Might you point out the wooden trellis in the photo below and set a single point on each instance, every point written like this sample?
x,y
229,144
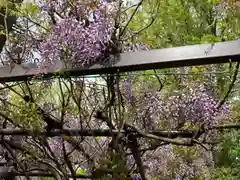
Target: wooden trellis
x,y
202,54
133,61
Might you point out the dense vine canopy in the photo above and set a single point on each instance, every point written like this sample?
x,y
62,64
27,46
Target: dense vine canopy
x,y
156,124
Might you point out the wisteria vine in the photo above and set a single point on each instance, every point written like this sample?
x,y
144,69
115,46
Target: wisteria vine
x,y
85,34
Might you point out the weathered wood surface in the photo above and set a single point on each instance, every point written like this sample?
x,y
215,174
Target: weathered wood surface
x,y
141,60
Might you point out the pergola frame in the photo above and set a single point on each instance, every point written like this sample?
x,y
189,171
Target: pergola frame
x,y
133,61
202,54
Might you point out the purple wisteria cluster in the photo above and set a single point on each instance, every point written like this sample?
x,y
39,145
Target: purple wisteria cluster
x,y
83,34
168,163
79,41
194,106
149,110
161,158
56,145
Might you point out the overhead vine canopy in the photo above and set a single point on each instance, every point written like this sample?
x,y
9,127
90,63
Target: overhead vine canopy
x,y
154,124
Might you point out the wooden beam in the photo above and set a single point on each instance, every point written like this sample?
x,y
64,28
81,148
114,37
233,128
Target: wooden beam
x,y
42,174
142,60
92,132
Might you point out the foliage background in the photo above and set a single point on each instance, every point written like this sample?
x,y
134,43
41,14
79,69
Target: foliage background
x,y
147,97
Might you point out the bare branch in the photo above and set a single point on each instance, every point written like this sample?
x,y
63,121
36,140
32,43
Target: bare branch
x,y
45,174
230,87
130,19
107,132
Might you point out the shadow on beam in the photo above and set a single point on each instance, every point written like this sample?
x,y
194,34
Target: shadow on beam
x,y
142,60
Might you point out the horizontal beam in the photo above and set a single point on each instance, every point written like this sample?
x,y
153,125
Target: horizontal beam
x,y
91,132
107,132
42,174
142,60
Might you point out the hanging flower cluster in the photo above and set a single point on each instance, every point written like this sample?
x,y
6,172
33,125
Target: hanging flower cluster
x,y
83,34
195,106
80,40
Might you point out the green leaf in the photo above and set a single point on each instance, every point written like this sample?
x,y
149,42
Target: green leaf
x,y
4,3
80,172
186,125
195,69
66,138
47,178
29,8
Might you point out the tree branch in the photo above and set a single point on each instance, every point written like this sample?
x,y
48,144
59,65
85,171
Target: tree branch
x,y
45,174
230,87
91,132
133,14
171,134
